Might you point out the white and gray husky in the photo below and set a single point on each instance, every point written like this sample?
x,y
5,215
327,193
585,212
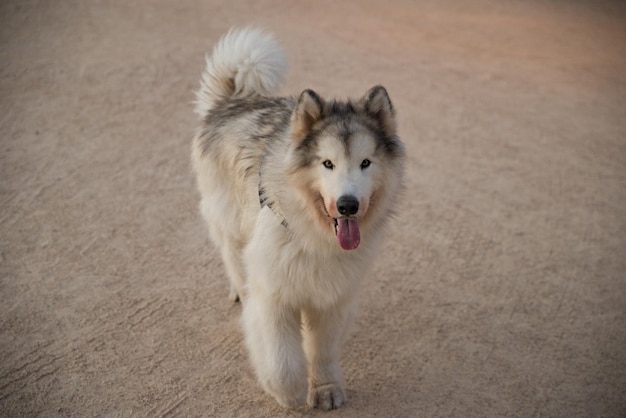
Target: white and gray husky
x,y
296,192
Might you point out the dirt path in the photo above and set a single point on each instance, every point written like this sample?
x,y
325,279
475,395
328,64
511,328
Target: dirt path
x,y
502,287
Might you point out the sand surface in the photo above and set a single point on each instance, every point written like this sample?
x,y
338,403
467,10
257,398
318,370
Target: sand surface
x,y
501,290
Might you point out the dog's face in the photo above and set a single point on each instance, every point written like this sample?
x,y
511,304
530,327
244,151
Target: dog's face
x,y
343,154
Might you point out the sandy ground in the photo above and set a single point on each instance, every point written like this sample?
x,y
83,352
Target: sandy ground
x,y
501,290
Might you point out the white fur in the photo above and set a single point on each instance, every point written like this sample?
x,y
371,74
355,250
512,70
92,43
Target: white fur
x,y
300,301
299,289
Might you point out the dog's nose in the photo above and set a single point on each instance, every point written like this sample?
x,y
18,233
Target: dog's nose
x,y
347,205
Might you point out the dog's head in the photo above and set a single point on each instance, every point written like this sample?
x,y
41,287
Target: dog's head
x,y
348,160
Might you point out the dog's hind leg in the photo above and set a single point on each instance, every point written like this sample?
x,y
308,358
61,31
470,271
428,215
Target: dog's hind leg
x,y
231,256
230,248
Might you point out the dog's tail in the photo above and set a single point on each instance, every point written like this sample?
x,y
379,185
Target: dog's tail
x,y
245,62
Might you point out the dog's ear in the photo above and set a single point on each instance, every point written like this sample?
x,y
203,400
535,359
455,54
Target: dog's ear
x,y
310,109
377,104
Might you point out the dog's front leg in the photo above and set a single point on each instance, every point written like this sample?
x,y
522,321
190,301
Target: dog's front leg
x,y
274,342
323,334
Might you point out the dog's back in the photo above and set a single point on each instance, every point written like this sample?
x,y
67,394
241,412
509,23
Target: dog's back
x,y
245,66
237,121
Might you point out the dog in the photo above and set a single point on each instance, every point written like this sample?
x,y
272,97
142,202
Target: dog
x,y
296,192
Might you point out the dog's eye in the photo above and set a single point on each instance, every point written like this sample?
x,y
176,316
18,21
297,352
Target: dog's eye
x,y
328,164
366,163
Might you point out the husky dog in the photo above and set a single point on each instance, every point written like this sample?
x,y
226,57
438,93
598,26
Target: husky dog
x,y
296,192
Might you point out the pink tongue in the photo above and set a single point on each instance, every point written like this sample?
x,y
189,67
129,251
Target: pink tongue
x,y
348,233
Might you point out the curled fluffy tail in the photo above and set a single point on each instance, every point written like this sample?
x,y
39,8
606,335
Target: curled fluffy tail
x,y
245,62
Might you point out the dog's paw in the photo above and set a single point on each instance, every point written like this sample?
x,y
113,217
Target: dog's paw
x,y
326,397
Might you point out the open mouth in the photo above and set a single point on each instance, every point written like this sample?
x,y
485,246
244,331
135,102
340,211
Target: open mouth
x,y
347,232
346,227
